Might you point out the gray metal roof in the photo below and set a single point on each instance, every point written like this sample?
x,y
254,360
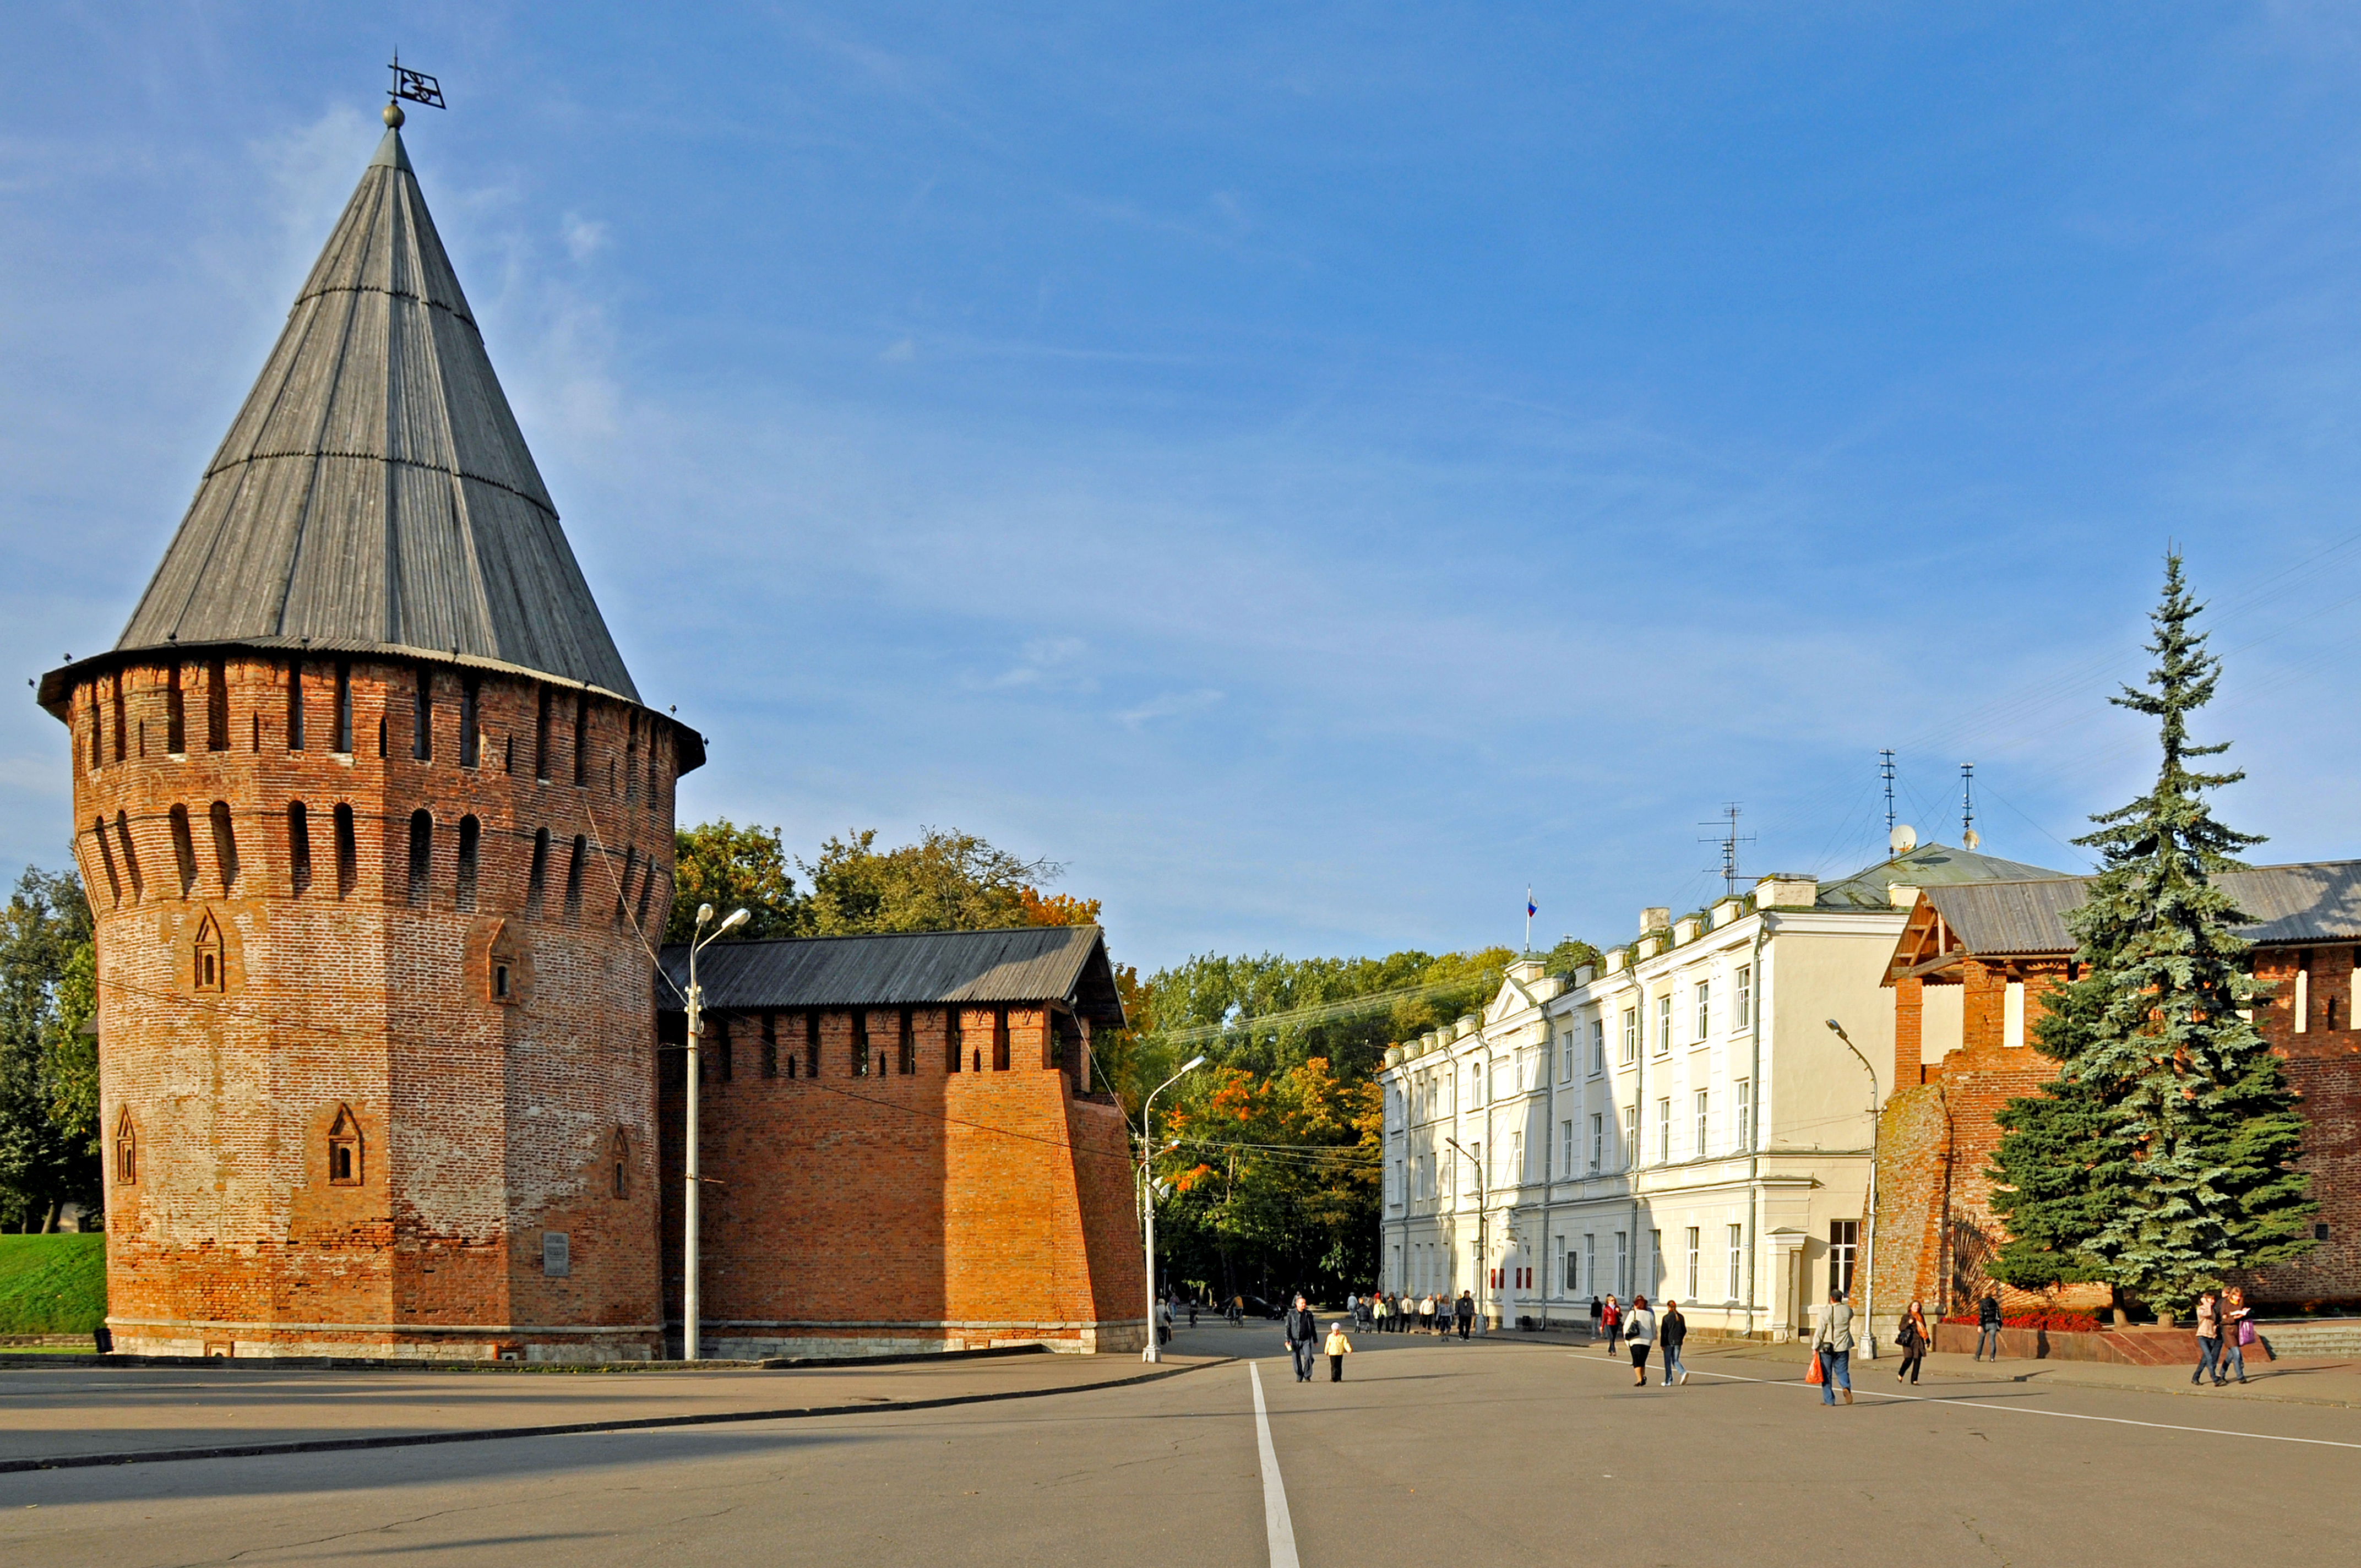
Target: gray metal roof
x,y
1928,865
2315,902
374,492
1031,964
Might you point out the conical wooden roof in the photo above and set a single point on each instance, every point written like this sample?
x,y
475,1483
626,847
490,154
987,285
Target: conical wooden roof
x,y
375,493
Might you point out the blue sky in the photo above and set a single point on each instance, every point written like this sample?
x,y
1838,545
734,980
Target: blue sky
x,y
1312,471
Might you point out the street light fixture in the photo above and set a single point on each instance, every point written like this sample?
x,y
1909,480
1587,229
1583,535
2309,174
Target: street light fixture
x,y
1869,1253
697,942
1148,1197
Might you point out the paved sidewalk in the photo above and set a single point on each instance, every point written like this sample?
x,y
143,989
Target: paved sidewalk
x,y
70,1412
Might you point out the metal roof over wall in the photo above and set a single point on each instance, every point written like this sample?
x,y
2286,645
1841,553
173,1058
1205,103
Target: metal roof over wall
x,y
374,492
1928,865
918,968
2314,901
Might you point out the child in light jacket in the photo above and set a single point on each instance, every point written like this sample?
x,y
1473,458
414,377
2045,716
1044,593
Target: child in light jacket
x,y
1338,1348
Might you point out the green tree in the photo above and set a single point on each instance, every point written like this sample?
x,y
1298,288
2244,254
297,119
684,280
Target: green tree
x,y
2163,1157
948,881
730,867
45,946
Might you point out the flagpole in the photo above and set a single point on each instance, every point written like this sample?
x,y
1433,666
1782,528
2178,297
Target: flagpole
x,y
1529,917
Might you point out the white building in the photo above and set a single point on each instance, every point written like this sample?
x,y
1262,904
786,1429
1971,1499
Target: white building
x,y
1679,1122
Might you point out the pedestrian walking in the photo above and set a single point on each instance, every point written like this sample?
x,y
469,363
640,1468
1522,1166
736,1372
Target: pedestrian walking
x,y
1611,1318
1426,1313
1832,1343
1338,1348
1192,1312
1988,1325
1302,1337
1466,1313
1640,1334
2208,1339
1671,1330
1914,1339
1595,1308
1237,1311
2237,1333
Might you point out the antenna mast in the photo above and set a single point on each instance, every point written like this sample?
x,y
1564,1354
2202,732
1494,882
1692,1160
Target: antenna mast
x,y
1729,840
1886,771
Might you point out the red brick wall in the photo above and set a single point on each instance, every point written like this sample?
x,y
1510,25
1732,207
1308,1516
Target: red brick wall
x,y
898,1212
483,1123
1934,1200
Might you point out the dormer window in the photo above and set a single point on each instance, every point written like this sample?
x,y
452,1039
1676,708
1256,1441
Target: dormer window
x,y
344,1168
207,972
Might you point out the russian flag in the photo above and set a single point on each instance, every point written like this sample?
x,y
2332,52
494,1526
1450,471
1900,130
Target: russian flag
x,y
1531,909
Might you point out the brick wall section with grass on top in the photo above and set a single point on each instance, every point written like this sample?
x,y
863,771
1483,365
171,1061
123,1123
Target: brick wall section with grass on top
x,y
476,1124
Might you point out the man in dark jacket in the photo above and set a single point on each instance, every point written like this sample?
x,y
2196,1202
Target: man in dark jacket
x,y
1671,1330
1302,1337
1466,1313
1988,1325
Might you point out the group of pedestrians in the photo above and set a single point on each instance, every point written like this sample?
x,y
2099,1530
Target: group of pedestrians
x,y
1302,1326
2226,1327
1388,1313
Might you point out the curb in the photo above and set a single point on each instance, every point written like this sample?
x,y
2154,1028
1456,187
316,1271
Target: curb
x,y
389,1364
640,1423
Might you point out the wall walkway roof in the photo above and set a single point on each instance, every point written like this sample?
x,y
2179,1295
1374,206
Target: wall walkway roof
x,y
919,968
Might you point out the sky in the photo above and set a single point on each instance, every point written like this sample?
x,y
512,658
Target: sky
x,y
1310,471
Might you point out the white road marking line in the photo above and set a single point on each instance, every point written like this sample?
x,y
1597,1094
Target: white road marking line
x,y
1275,1521
2024,1409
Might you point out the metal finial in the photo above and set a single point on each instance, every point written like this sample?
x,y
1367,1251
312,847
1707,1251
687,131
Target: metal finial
x,y
394,115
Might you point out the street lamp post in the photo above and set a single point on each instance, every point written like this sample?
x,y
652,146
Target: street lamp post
x,y
1869,1252
1483,1215
695,1000
1148,1197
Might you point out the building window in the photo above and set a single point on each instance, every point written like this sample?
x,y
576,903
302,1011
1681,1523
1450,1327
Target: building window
x,y
541,737
859,1042
422,854
126,1150
342,742
1566,1067
98,732
1737,1260
1692,1286
1663,1023
770,1045
1630,1136
1516,1157
216,705
471,834
581,739
184,849
471,741
502,974
208,968
294,704
1631,1036
1566,1147
1623,1264
574,877
811,1045
623,892
1703,1098
536,885
106,856
631,757
1741,1112
176,727
345,1150
1704,996
1000,1039
299,847
1597,1141
953,1047
225,845
1742,1002
618,1158
348,851
382,754
1598,1045
1656,1260
121,740
130,854
422,719
1844,1241
907,1064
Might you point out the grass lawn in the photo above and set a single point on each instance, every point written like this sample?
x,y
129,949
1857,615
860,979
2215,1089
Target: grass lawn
x,y
52,1285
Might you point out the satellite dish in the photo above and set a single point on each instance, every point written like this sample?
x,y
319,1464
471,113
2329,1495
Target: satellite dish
x,y
1903,839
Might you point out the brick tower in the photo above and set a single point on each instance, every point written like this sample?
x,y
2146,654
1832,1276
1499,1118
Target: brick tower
x,y
373,821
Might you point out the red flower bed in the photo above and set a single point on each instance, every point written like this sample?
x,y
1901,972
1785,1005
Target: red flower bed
x,y
2055,1322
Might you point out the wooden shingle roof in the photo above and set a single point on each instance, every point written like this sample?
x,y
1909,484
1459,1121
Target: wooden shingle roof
x,y
374,494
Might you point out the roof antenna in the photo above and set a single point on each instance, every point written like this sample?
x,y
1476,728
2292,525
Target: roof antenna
x,y
1886,771
1729,840
1968,839
414,86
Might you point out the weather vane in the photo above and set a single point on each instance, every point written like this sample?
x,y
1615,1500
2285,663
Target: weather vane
x,y
414,86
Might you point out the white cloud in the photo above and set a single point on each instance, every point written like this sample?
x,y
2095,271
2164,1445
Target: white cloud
x,y
1168,705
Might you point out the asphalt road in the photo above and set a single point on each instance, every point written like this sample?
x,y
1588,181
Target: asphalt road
x,y
1505,1451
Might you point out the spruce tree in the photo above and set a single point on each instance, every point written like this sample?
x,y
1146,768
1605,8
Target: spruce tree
x,y
2163,1157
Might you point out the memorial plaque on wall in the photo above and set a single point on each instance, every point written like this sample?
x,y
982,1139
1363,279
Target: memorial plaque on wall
x,y
555,1261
